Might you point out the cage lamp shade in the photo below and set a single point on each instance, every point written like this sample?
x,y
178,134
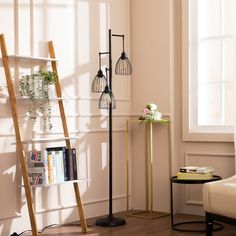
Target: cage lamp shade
x,y
123,65
107,99
99,82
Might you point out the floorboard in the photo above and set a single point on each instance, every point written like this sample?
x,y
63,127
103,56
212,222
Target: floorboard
x,y
137,227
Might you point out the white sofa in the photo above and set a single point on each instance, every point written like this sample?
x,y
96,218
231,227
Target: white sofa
x,y
219,201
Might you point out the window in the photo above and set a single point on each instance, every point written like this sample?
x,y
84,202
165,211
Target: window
x,y
209,33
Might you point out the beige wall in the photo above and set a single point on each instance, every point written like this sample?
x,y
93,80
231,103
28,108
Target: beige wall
x,y
150,37
156,53
79,29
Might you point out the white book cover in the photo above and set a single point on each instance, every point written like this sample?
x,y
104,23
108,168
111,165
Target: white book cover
x,y
197,169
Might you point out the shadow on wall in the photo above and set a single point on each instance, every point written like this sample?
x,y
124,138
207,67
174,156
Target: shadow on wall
x,y
82,33
9,182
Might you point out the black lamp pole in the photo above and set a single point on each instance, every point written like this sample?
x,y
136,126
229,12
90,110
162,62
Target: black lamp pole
x,y
107,101
110,129
110,220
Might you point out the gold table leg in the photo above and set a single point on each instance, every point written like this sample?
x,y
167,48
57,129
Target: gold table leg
x,y
149,212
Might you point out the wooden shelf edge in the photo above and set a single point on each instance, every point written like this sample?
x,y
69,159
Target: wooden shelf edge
x,y
44,140
55,184
162,121
21,57
26,98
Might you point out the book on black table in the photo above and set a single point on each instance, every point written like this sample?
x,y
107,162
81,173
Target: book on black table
x,y
196,169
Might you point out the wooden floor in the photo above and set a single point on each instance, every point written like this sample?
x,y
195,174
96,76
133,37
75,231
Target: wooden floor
x,y
137,227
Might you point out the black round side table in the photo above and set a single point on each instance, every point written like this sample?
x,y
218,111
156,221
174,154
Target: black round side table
x,y
174,226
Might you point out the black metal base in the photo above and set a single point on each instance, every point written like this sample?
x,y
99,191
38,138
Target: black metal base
x,y
216,226
110,221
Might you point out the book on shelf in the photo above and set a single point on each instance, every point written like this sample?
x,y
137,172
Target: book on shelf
x,y
57,157
194,176
64,160
36,162
71,163
54,165
37,176
197,169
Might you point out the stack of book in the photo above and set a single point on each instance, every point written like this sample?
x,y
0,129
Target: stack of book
x,y
195,172
54,165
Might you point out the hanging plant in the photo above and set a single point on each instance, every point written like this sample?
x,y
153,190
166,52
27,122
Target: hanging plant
x,y
35,87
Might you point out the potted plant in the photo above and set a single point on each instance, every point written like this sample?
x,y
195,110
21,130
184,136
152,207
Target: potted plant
x,y
35,87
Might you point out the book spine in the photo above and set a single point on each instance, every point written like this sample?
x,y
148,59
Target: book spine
x,y
65,165
69,164
50,169
75,176
45,162
59,166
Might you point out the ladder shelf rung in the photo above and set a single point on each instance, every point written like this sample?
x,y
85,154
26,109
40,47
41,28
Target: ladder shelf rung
x,y
54,184
45,140
31,58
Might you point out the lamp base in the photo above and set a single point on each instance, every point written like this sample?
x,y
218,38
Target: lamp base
x,y
110,221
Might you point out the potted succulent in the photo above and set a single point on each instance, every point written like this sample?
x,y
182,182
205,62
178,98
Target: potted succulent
x,y
35,87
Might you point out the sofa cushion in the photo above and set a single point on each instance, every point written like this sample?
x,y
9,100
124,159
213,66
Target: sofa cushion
x,y
219,197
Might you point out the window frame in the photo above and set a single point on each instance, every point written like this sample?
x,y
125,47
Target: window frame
x,y
187,134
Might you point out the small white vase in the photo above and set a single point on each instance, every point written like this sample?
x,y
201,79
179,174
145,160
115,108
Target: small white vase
x,y
52,91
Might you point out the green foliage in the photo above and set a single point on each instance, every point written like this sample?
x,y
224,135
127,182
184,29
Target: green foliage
x,y
35,87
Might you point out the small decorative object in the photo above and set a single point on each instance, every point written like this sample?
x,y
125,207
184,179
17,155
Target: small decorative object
x,y
150,113
35,87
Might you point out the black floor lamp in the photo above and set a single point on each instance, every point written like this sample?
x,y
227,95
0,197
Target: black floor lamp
x,y
107,101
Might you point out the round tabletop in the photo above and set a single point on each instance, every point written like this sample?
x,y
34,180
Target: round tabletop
x,y
174,179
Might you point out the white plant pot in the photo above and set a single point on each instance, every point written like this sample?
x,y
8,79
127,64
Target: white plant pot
x,y
52,91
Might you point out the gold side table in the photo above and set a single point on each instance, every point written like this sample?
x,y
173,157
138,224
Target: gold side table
x,y
148,212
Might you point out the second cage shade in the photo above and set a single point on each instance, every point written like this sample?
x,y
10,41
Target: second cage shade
x,y
99,82
107,99
123,65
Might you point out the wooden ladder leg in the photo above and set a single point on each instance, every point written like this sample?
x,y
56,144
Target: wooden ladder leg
x,y
80,208
31,211
66,134
19,145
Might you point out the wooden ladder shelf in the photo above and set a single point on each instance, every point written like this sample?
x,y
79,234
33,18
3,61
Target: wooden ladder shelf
x,y
19,144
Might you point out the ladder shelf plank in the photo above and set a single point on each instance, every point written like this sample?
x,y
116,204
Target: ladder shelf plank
x,y
45,140
31,58
54,184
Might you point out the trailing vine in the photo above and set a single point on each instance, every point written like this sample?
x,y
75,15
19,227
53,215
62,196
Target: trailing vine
x,y
35,87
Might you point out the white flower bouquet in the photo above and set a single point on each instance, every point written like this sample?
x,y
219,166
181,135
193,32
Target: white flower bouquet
x,y
150,113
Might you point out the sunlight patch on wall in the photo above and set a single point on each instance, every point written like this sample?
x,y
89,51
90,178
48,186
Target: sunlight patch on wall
x,y
104,122
104,155
84,85
103,26
7,25
24,26
11,171
83,33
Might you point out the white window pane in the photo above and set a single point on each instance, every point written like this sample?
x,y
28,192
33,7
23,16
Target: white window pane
x,y
209,61
228,60
229,16
209,20
212,64
209,105
227,103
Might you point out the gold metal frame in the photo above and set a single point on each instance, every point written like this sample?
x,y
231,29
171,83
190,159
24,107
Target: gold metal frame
x,y
149,212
